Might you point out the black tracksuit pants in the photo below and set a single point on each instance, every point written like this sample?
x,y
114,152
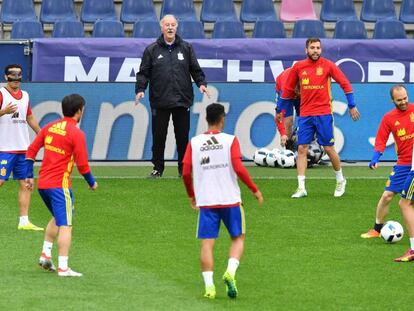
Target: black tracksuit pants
x,y
160,120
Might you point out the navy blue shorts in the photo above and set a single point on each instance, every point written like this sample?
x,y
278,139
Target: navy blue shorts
x,y
396,180
59,201
13,162
209,220
321,125
288,108
408,190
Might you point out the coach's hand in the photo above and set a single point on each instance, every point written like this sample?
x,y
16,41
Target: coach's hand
x,y
354,113
204,90
138,97
259,196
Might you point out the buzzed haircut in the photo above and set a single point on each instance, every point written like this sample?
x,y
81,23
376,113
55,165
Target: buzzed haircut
x,y
214,113
312,40
71,104
8,67
396,87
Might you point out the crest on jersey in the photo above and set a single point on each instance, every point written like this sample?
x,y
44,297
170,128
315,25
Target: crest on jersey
x,y
412,116
319,71
3,172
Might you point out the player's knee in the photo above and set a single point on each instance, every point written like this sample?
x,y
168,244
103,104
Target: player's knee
x,y
387,196
2,182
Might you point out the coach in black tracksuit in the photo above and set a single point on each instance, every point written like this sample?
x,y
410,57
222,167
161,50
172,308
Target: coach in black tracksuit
x,y
168,65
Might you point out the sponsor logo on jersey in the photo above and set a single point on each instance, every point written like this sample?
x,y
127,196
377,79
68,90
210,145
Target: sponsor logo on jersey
x,y
55,149
205,160
211,144
15,115
305,81
48,139
58,128
401,132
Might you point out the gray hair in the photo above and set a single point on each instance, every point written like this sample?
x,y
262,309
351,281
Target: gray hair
x,y
165,16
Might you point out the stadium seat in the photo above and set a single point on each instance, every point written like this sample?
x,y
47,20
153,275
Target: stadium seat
x,y
133,11
52,11
191,30
350,29
334,10
213,10
146,29
389,29
253,10
293,10
15,10
228,30
108,29
373,10
308,28
181,9
93,10
407,11
27,29
68,29
269,29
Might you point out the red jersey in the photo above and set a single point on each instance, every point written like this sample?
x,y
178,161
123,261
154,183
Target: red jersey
x,y
64,144
401,125
314,78
281,80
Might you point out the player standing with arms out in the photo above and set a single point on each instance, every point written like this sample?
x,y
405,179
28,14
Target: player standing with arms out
x,y
64,145
214,160
285,112
15,115
400,123
314,75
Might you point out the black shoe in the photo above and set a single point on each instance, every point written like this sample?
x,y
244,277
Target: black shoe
x,y
155,174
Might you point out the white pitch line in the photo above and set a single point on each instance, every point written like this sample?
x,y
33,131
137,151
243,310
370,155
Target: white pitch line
x,y
257,177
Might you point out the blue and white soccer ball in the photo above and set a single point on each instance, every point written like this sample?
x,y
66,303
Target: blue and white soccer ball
x,y
259,156
272,157
287,159
392,231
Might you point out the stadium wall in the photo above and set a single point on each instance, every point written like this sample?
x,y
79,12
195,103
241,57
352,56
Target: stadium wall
x,y
117,129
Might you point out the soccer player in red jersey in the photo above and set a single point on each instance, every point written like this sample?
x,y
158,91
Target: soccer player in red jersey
x,y
15,115
400,123
213,161
64,145
314,75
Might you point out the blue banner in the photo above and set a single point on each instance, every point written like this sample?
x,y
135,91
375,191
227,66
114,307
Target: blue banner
x,y
15,52
230,60
117,129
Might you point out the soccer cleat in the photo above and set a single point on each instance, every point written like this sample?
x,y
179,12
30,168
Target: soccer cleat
x,y
231,287
300,193
29,226
210,292
46,263
68,272
155,174
371,234
408,256
340,188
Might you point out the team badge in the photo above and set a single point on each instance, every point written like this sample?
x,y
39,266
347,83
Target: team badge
x,y
412,116
319,71
180,56
3,171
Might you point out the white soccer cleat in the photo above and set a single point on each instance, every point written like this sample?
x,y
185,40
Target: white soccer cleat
x,y
300,193
68,272
340,188
46,263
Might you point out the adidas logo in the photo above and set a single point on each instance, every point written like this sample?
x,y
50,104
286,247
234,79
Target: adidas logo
x,y
211,144
58,128
160,56
204,160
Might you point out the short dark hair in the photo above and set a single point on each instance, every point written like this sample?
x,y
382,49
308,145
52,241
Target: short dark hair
x,y
396,87
8,67
312,40
214,112
71,104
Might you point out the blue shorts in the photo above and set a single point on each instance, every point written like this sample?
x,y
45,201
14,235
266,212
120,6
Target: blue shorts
x,y
408,190
288,108
209,222
13,162
396,180
59,201
321,125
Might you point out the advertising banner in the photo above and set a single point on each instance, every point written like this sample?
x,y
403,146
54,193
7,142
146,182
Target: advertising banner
x,y
230,60
117,129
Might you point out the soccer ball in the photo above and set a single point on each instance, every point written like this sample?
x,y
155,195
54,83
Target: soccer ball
x,y
259,156
392,231
315,153
272,157
287,159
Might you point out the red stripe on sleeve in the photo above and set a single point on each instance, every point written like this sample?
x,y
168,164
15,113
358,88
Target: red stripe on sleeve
x,y
187,171
238,166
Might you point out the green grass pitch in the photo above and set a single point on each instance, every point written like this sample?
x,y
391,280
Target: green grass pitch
x,y
134,240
